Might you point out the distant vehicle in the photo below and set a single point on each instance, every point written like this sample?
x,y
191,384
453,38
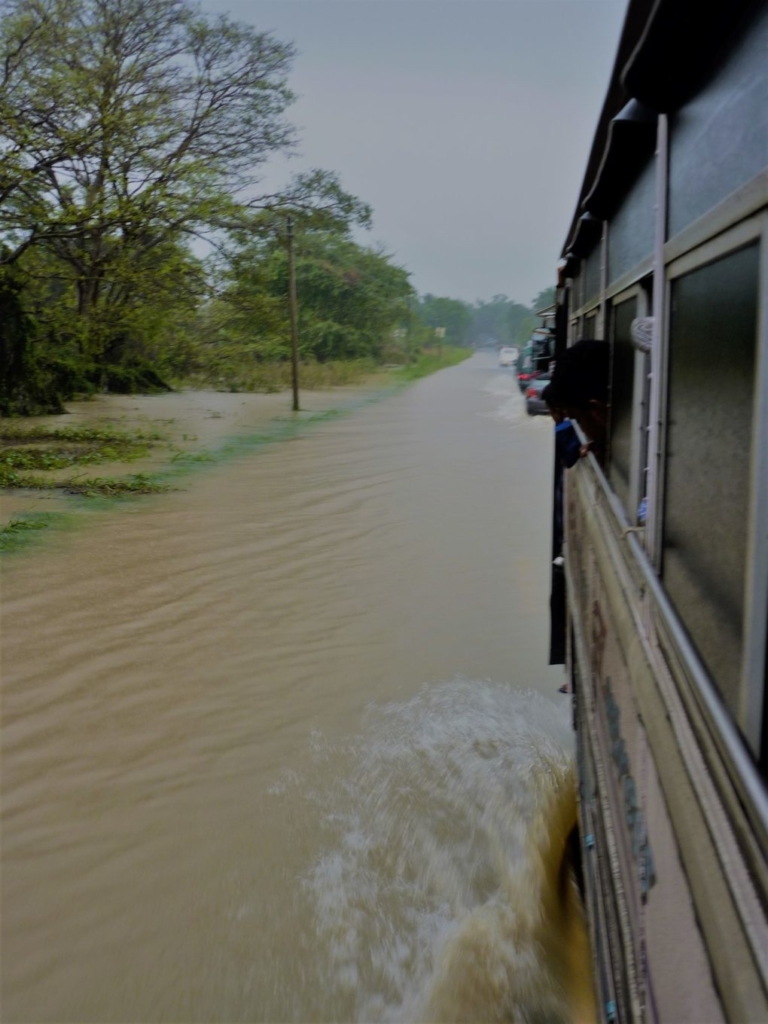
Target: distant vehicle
x,y
537,357
534,403
508,356
524,368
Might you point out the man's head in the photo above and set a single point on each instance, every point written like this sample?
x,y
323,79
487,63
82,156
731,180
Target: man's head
x,y
581,379
554,401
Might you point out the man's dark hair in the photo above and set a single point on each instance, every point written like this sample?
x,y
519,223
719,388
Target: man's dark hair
x,y
581,374
553,396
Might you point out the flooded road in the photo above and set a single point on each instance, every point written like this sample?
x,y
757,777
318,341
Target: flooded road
x,y
280,746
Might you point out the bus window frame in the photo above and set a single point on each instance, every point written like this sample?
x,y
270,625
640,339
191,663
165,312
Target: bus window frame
x,y
590,329
749,717
638,460
691,693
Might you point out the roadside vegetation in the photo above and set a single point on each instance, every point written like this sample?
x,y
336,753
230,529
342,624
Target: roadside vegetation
x,y
497,321
30,457
429,362
41,457
134,139
24,530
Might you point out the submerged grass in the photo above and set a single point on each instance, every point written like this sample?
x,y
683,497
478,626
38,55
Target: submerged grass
x,y
116,487
27,452
136,483
15,430
25,529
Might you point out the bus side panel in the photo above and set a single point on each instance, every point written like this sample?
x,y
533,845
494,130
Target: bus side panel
x,y
651,960
682,980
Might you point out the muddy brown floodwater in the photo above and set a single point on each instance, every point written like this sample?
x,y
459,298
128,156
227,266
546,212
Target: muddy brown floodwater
x,y
284,745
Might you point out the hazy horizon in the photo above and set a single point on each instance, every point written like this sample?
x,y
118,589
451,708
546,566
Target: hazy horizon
x,y
466,124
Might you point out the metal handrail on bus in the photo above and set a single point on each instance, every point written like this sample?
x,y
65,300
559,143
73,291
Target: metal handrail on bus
x,y
741,767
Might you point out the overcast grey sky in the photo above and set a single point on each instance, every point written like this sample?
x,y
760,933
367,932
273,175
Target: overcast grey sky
x,y
466,124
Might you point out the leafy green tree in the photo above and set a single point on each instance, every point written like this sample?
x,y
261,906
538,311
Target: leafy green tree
x,y
350,297
38,113
144,291
129,127
545,298
15,339
525,327
453,315
497,319
529,322
162,118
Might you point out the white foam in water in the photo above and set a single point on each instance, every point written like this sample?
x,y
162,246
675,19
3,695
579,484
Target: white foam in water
x,y
503,384
423,899
512,410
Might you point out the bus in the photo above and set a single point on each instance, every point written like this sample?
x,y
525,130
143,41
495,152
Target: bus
x,y
537,356
666,538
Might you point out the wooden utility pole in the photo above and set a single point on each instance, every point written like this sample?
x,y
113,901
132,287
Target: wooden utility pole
x,y
294,317
409,335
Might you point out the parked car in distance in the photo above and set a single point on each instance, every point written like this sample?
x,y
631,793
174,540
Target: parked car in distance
x,y
508,356
534,404
524,370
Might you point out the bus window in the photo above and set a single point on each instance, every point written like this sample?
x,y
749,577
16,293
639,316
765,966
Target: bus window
x,y
712,354
622,396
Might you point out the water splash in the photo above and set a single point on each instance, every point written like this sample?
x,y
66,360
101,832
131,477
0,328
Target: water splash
x,y
512,409
503,384
441,895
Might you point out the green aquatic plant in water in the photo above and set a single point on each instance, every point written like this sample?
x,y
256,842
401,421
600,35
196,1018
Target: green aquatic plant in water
x,y
24,451
106,487
14,431
114,487
193,457
23,529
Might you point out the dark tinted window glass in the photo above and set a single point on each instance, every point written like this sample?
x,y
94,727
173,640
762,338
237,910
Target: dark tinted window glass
x,y
578,288
711,393
622,390
630,235
592,273
718,140
590,326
